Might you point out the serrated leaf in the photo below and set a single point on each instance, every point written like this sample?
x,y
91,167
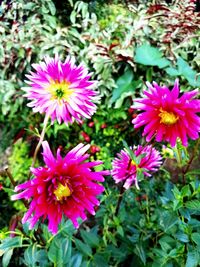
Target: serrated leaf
x,y
185,191
164,245
182,237
76,260
100,261
196,238
167,220
30,255
60,251
193,204
90,238
141,253
192,259
83,247
120,230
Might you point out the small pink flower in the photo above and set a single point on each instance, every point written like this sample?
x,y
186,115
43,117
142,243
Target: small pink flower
x,y
62,90
168,116
125,169
66,186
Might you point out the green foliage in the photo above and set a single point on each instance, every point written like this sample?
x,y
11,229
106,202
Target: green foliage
x,y
125,87
150,56
155,226
185,71
19,161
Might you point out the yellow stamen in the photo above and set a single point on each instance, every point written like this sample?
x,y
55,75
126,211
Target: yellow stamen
x,y
62,191
133,163
168,118
60,90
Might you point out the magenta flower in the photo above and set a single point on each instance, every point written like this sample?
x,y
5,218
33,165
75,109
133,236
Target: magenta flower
x,y
168,116
66,186
62,90
125,169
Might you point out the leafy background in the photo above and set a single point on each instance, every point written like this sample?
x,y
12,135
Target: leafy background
x,y
124,44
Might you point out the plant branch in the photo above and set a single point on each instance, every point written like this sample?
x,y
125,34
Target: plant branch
x,y
9,175
122,189
40,141
6,172
184,171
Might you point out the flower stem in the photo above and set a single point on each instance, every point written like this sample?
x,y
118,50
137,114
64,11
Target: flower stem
x,y
178,156
40,141
9,175
122,189
185,170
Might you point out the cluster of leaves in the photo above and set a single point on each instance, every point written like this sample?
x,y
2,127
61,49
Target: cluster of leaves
x,y
150,230
157,226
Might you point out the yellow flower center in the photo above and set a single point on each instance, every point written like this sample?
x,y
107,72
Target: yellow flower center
x,y
60,90
168,118
62,191
133,163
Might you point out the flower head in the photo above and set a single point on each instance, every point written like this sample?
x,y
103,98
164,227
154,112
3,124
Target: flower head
x,y
66,186
168,116
62,90
125,169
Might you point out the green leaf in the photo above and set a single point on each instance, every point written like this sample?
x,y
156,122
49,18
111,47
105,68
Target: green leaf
x,y
182,237
11,242
193,172
192,259
129,151
7,257
141,253
193,204
164,245
167,242
76,260
167,220
150,56
60,251
90,238
124,84
173,72
185,191
52,7
120,230
83,247
30,255
196,238
99,261
188,72
176,193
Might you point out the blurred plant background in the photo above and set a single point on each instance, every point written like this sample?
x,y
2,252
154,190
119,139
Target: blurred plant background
x,y
124,44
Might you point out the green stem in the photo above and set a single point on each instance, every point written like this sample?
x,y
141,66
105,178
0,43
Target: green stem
x,y
122,189
9,175
147,208
184,171
40,141
178,156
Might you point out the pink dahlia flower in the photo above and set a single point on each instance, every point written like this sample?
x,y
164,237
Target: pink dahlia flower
x,y
66,186
62,90
125,169
167,115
